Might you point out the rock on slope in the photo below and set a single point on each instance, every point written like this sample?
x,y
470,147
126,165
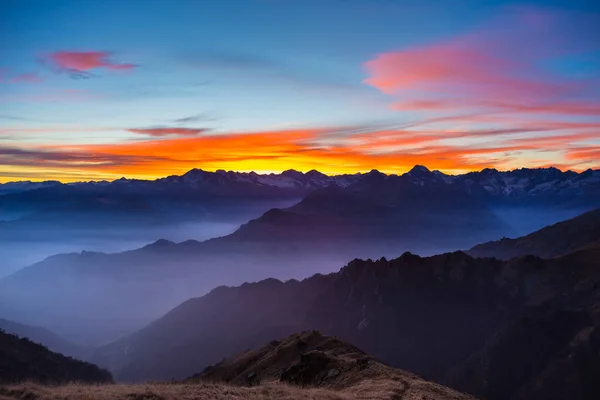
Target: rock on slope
x,y
310,359
23,360
564,237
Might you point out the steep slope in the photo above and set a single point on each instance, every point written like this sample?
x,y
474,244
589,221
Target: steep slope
x,y
45,337
552,351
310,359
368,303
23,360
564,237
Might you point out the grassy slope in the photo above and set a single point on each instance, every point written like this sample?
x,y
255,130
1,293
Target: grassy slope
x,y
383,390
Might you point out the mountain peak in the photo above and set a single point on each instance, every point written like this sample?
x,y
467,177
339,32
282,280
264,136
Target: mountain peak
x,y
315,173
374,172
292,173
419,169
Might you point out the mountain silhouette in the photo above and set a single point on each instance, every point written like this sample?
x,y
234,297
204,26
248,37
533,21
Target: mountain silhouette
x,y
555,240
45,337
22,360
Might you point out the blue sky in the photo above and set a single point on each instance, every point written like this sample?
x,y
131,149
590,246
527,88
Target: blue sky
x,y
253,66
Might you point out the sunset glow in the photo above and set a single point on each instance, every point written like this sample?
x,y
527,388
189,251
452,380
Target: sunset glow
x,y
513,87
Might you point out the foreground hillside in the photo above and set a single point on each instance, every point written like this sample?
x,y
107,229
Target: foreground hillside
x,y
203,391
23,360
559,239
310,359
305,365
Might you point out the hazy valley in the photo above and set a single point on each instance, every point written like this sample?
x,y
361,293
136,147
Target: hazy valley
x,y
170,309
327,221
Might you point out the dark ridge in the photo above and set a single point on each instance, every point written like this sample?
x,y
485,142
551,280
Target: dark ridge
x,y
22,360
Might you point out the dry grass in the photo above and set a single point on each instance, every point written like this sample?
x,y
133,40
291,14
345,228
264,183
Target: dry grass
x,y
372,390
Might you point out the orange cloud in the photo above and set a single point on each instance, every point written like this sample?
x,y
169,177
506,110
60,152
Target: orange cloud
x,y
590,154
388,150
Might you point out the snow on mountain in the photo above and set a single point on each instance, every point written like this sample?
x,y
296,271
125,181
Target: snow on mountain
x,y
22,186
530,182
506,184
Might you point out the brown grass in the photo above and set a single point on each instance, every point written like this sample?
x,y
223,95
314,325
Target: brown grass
x,y
372,390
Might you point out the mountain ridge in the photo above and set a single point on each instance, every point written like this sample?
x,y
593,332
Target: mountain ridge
x,y
507,179
555,240
23,360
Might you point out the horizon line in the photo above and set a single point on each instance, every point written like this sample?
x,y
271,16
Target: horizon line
x,y
304,172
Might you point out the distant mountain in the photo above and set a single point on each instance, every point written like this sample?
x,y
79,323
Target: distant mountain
x,y
562,238
23,186
22,360
310,359
524,186
45,337
533,185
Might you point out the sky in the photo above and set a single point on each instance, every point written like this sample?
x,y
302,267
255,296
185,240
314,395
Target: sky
x,y
94,90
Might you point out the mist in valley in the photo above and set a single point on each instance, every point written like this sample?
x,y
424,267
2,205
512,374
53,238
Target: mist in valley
x,y
17,253
98,298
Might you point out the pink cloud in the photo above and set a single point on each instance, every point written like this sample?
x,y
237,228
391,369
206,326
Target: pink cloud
x,y
86,61
493,69
26,78
7,77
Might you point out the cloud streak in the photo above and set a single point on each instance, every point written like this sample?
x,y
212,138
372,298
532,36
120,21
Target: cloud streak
x,y
389,150
169,131
492,70
80,64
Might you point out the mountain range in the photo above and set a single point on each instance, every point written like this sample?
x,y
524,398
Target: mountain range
x,y
516,183
508,319
203,193
339,218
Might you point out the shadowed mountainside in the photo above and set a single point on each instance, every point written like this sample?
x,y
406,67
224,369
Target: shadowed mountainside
x,y
23,360
410,312
551,351
562,238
